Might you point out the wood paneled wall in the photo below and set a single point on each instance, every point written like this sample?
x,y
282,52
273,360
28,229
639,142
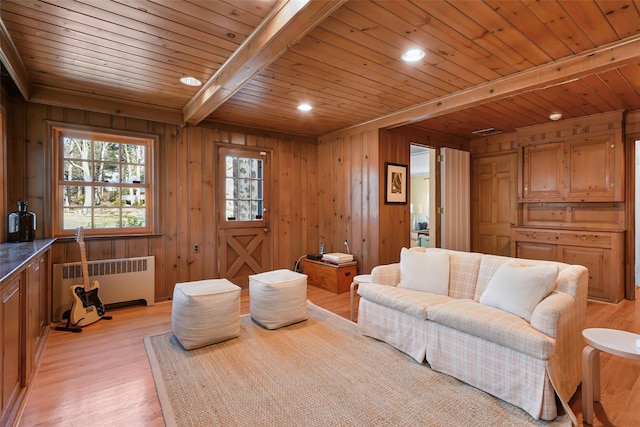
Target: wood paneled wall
x,y
395,147
186,184
349,204
352,168
3,157
632,123
394,219
632,132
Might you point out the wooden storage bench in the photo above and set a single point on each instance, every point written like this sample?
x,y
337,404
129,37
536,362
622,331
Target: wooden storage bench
x,y
332,277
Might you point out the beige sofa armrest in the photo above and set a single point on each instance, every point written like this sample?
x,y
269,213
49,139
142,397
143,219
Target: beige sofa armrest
x,y
562,315
388,274
566,306
546,316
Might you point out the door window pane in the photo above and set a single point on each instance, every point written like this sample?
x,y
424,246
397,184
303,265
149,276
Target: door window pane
x,y
243,188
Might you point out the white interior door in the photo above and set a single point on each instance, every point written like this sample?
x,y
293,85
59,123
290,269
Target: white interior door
x,y
455,221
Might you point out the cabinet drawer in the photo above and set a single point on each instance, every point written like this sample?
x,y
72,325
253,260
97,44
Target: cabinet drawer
x,y
535,236
585,239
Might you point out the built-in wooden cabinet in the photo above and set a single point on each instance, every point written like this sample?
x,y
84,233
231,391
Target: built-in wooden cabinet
x,y
37,310
10,314
24,319
542,172
600,252
571,198
576,170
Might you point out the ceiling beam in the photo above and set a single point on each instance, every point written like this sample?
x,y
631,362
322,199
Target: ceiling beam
x,y
13,62
284,27
104,104
564,70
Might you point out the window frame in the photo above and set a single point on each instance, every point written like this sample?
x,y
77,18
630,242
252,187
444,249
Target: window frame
x,y
57,131
258,153
237,201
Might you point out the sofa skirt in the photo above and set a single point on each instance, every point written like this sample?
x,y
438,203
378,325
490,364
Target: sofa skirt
x,y
401,330
509,375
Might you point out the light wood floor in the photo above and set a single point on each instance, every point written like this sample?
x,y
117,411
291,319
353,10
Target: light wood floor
x,y
102,377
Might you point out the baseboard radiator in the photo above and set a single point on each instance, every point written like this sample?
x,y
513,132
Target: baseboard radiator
x,y
122,281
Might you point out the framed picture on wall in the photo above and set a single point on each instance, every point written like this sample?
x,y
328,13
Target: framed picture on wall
x,y
395,183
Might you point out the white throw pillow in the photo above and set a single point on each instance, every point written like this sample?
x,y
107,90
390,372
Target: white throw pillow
x,y
424,271
518,287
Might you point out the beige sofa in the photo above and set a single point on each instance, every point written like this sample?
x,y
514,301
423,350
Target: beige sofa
x,y
504,325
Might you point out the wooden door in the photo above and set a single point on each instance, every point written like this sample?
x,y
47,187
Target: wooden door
x,y
244,243
494,203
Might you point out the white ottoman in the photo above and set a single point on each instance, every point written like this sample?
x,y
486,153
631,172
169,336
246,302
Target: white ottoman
x,y
278,298
205,312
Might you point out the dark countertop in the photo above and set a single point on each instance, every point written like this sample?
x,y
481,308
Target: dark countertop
x,y
14,256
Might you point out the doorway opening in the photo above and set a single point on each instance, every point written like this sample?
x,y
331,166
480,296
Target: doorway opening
x,y
422,197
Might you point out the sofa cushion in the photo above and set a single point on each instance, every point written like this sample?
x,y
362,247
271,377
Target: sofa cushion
x,y
410,301
518,287
489,264
463,273
424,271
494,325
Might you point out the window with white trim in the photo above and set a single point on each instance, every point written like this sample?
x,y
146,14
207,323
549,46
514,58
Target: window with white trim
x,y
103,182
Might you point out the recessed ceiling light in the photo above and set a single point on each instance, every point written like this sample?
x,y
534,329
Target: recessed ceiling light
x,y
304,107
413,55
555,116
190,81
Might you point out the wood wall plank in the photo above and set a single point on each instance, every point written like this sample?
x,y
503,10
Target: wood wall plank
x,y
208,247
348,169
15,158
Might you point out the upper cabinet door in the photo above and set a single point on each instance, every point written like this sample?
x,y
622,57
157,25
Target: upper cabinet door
x,y
581,170
543,171
594,173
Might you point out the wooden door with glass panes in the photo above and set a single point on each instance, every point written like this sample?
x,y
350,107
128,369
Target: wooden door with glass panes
x,y
244,242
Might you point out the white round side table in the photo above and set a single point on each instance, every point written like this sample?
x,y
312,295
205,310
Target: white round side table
x,y
613,341
361,278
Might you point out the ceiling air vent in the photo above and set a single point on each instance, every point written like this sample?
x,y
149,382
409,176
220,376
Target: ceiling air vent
x,y
487,132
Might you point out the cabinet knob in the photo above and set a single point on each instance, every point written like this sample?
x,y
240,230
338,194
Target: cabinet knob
x,y
584,237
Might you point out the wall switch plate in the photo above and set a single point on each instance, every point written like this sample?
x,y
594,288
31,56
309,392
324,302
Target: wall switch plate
x,y
196,248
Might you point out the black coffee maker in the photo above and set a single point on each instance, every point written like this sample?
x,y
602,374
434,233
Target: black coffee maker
x,y
21,225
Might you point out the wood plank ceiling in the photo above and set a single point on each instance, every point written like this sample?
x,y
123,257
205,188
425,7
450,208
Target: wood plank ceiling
x,y
493,63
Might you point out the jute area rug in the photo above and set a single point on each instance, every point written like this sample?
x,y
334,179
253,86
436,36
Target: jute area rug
x,y
320,372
